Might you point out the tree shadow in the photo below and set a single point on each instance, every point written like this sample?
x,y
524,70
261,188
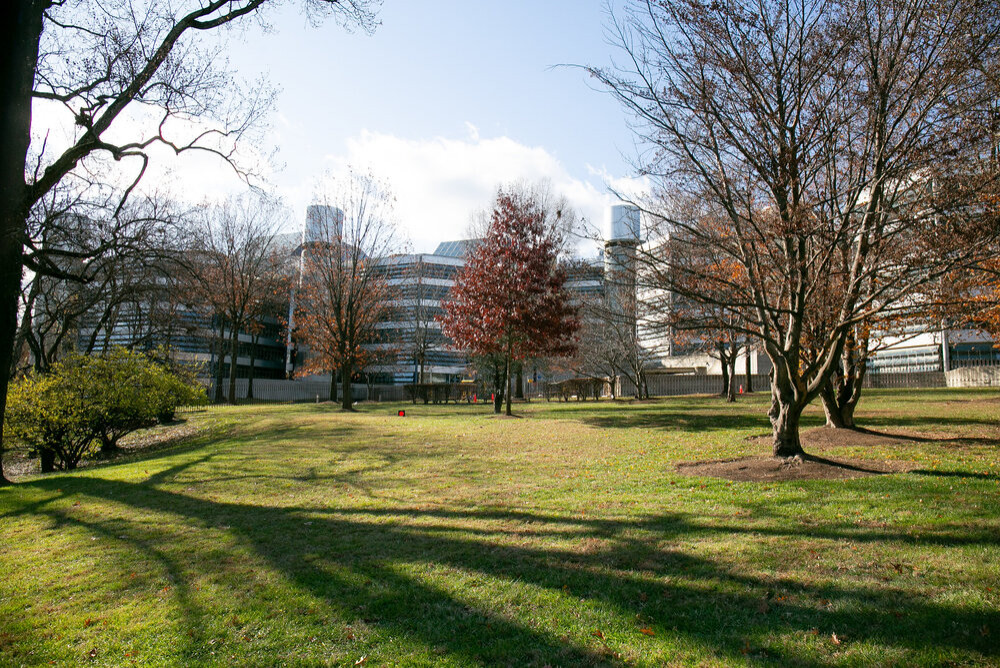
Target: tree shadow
x,y
957,474
846,466
372,563
933,422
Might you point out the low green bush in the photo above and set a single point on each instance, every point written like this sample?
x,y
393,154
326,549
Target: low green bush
x,y
55,423
88,400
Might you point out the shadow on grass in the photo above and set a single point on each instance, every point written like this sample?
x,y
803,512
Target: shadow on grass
x,y
929,422
844,465
690,421
957,474
371,563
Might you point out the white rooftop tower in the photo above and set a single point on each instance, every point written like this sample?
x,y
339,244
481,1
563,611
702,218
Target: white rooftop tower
x,y
323,223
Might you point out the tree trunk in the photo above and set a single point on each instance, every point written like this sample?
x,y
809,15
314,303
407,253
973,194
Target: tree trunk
x,y
345,386
829,397
497,389
721,349
24,329
519,382
840,399
234,351
47,460
506,382
731,389
253,360
109,446
333,388
784,416
220,345
749,374
20,31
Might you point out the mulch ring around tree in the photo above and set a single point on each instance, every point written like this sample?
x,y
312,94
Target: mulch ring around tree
x,y
765,468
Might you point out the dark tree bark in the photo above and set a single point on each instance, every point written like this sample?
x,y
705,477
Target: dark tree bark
x,y
720,349
253,361
20,30
840,398
234,352
749,374
346,399
506,382
498,393
333,388
785,414
47,460
519,382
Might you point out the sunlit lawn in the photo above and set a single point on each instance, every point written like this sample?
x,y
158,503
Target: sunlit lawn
x,y
300,535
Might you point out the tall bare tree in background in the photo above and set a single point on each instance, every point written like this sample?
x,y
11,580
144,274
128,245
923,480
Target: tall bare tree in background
x,y
101,64
344,291
814,128
238,268
93,275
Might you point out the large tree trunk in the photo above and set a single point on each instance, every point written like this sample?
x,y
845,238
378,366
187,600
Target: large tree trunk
x,y
843,392
841,396
20,31
333,387
345,386
784,414
519,382
749,374
834,417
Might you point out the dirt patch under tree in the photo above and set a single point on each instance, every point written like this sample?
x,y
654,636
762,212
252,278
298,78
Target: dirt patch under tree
x,y
809,467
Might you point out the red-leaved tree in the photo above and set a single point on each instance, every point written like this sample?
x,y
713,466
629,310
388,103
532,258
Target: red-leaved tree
x,y
510,299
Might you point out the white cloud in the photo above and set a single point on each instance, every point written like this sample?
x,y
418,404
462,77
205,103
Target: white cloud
x,y
441,183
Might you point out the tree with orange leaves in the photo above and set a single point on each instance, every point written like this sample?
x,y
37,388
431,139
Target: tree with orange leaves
x,y
344,292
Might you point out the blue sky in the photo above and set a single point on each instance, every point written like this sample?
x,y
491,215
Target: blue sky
x,y
444,95
445,101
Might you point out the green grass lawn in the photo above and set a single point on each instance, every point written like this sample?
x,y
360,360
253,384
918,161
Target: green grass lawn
x,y
300,535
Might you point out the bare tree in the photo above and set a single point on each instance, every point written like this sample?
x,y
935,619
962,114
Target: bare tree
x,y
808,129
94,272
239,268
344,293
